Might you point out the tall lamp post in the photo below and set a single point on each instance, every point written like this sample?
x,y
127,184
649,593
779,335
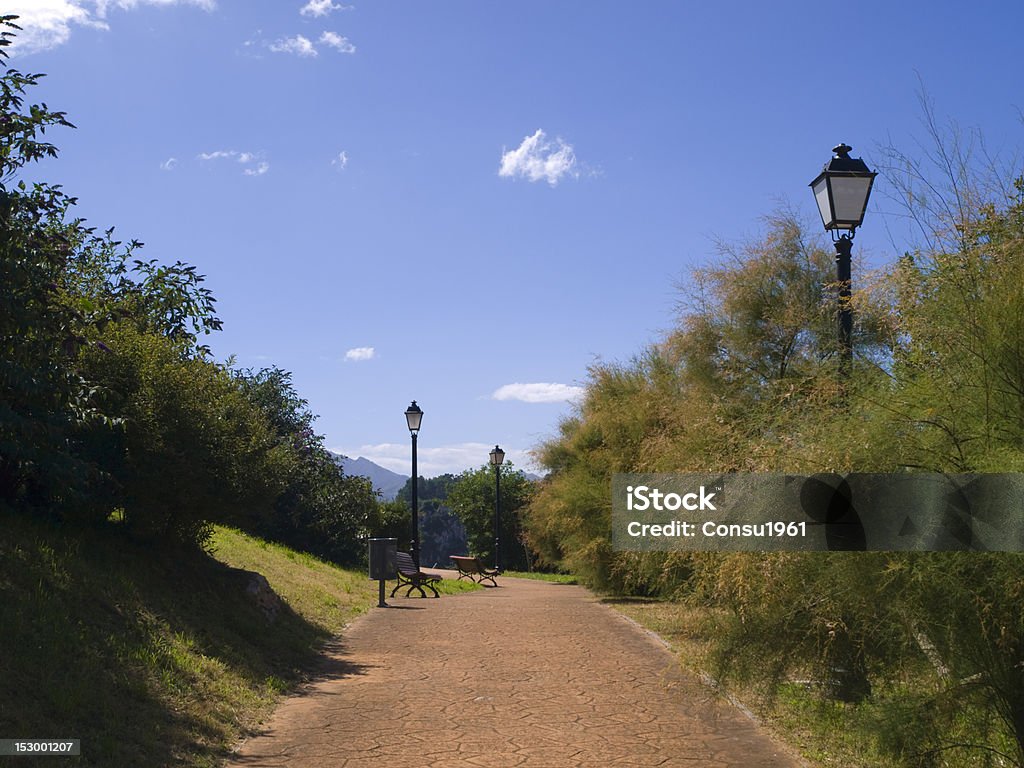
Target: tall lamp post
x,y
497,459
841,191
413,418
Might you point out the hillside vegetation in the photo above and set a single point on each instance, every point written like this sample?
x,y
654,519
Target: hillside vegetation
x,y
151,658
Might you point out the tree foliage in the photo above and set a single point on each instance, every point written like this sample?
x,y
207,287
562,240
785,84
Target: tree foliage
x,y
111,407
472,498
441,532
319,509
747,381
44,403
189,448
62,287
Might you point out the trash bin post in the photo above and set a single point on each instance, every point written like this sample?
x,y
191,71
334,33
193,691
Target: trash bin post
x,y
383,564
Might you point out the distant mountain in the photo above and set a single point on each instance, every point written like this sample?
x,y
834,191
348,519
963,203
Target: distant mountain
x,y
384,480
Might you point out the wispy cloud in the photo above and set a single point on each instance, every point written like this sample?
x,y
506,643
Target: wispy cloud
x,y
539,159
169,164
47,24
359,354
341,161
217,154
127,5
432,462
298,45
262,167
255,164
319,8
540,392
337,42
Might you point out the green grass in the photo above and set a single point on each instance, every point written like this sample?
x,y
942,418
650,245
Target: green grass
x,y
326,596
556,578
152,659
450,587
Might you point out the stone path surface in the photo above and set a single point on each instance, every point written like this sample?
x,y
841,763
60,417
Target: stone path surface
x,y
529,674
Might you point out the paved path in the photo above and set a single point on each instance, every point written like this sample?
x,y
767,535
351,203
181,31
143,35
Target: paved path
x,y
530,674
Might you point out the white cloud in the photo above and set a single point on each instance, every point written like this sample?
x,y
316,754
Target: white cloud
x,y
254,162
341,161
358,354
432,461
47,24
218,154
319,8
129,5
168,164
259,170
336,41
299,45
539,158
541,392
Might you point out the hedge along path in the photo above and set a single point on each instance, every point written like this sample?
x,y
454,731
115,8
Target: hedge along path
x,y
528,674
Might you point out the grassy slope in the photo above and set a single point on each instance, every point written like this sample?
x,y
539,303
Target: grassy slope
x,y
154,660
826,733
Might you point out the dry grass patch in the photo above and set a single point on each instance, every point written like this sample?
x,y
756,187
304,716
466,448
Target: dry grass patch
x,y
825,733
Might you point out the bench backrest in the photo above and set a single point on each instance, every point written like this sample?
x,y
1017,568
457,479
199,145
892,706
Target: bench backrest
x,y
467,564
405,564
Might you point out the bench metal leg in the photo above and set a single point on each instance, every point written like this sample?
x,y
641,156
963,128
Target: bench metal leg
x,y
419,587
408,592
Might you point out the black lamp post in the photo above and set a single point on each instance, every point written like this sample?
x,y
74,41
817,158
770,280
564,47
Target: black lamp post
x,y
414,417
497,459
841,191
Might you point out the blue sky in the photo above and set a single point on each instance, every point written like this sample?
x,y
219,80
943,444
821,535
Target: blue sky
x,y
468,203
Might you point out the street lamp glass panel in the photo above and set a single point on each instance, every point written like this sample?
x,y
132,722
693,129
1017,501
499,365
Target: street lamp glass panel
x,y
849,199
413,417
820,187
497,456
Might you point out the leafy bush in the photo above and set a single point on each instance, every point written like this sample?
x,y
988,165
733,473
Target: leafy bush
x,y
194,449
319,509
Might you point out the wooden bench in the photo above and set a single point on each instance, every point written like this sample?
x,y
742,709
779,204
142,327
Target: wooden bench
x,y
410,576
473,569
